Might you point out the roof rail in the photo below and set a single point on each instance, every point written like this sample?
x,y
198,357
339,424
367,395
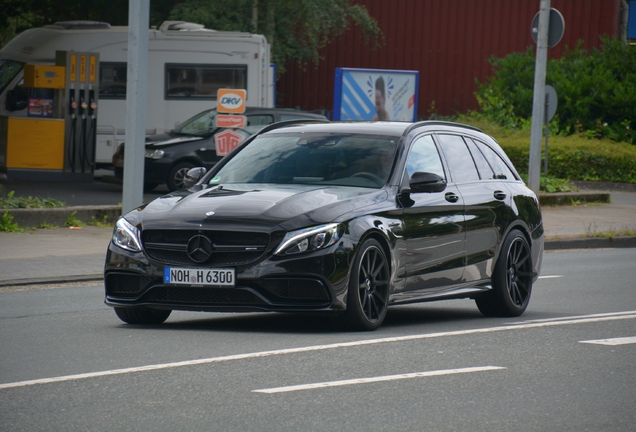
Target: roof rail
x,y
419,124
286,123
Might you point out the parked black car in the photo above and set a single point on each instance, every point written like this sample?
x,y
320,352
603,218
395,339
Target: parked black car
x,y
341,217
170,155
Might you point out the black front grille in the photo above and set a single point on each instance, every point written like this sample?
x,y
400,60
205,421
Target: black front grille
x,y
125,285
296,289
202,296
229,247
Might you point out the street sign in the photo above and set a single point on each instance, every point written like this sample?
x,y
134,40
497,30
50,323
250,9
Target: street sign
x,y
551,102
555,29
230,121
227,141
231,101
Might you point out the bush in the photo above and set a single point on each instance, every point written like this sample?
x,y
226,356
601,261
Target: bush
x,y
597,95
11,201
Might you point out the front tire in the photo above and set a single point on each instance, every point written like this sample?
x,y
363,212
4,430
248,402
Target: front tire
x,y
142,315
177,174
511,280
368,294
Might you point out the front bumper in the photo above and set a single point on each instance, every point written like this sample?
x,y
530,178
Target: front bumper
x,y
312,282
154,172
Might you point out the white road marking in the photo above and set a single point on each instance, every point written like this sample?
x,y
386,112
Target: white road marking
x,y
572,317
376,379
564,321
550,277
613,341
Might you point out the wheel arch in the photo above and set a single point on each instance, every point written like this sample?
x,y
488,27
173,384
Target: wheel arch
x,y
189,158
520,226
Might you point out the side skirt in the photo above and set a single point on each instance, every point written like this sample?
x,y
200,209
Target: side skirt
x,y
447,294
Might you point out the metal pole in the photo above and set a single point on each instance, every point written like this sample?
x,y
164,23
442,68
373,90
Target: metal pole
x,y
547,133
136,92
538,104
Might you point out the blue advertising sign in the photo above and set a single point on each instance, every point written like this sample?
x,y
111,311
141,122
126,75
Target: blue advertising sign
x,y
631,21
375,94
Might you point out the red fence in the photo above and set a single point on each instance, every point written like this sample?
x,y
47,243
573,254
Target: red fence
x,y
448,42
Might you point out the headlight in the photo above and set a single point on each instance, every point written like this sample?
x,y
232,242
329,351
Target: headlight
x,y
154,154
309,239
126,236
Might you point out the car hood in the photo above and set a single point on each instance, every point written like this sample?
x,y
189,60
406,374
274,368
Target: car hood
x,y
261,207
169,139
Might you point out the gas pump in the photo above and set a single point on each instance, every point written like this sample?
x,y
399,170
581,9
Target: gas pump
x,y
56,141
81,96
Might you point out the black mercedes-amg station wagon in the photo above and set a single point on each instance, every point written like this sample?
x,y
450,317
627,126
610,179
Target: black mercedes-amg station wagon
x,y
343,217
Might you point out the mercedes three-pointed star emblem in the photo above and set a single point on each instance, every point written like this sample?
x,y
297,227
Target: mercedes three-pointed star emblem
x,y
199,248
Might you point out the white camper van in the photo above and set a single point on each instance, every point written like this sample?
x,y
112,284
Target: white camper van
x,y
186,65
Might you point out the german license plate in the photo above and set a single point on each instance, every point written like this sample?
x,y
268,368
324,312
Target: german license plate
x,y
195,276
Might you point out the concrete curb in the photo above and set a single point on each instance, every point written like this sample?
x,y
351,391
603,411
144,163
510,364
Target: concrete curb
x,y
58,216
51,280
570,198
591,243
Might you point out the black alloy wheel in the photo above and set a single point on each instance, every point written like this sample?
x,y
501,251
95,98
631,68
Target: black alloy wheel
x,y
177,174
142,315
511,280
368,294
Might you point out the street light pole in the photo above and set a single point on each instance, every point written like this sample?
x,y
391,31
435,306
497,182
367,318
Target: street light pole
x,y
538,103
136,92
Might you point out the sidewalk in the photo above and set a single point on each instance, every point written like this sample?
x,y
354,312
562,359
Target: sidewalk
x,y
64,255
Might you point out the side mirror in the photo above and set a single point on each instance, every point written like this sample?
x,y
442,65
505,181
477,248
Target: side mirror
x,y
426,182
193,176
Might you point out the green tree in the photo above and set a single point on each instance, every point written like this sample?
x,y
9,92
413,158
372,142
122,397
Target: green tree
x,y
296,29
19,15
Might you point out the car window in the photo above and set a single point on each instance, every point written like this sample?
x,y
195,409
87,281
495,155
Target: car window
x,y
259,119
424,157
461,162
200,125
485,171
8,70
357,160
498,165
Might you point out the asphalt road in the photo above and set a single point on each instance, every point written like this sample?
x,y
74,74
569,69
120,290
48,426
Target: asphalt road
x,y
68,364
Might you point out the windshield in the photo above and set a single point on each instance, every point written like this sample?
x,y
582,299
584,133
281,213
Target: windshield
x,y
312,158
8,70
203,124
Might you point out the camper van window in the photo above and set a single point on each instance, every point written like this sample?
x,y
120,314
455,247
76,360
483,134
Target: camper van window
x,y
112,80
202,81
8,70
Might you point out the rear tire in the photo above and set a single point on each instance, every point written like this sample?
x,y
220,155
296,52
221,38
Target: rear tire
x,y
368,294
142,315
177,174
511,279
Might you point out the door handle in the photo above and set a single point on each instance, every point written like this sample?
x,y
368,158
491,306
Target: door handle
x,y
500,195
451,197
